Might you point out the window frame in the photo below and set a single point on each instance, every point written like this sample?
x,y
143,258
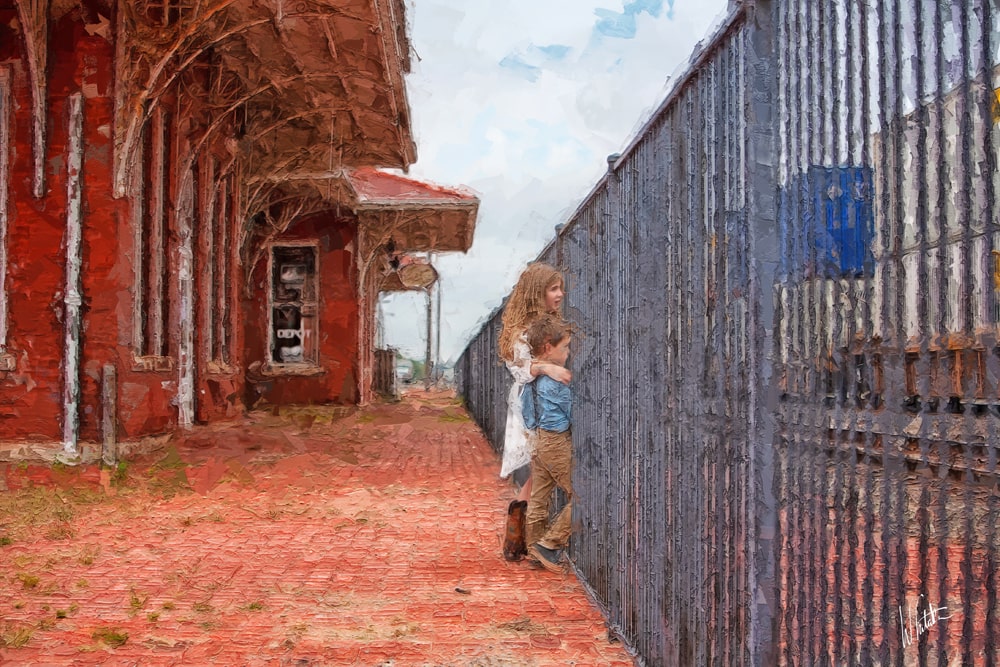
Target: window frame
x,y
152,220
311,364
220,213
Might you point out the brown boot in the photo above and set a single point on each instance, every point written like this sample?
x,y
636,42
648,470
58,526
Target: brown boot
x,y
514,547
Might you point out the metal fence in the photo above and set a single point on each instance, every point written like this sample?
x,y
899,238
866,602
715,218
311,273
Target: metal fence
x,y
886,332
786,416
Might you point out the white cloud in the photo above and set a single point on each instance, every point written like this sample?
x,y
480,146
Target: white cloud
x,y
530,137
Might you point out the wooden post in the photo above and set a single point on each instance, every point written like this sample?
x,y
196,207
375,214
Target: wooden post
x,y
109,417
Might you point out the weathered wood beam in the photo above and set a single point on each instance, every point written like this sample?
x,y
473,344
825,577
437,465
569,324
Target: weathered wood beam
x,y
133,97
394,55
34,16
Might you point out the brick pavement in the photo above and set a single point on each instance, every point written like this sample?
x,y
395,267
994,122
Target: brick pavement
x,y
309,536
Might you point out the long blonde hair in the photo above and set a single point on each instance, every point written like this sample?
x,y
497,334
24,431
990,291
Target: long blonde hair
x,y
526,303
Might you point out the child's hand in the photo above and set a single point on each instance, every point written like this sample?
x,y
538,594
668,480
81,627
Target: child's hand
x,y
558,373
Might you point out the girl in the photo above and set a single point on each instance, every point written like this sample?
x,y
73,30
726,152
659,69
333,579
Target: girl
x,y
539,291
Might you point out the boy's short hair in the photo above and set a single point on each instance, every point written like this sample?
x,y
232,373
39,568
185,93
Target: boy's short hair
x,y
547,330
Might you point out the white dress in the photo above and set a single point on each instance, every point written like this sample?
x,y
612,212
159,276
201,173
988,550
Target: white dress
x,y
517,441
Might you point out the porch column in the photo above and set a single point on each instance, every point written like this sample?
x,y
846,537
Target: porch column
x,y
72,298
185,289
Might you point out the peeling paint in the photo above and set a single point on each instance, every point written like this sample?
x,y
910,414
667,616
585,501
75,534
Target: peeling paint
x,y
72,297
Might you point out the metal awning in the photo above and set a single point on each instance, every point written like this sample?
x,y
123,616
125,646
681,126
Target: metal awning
x,y
412,216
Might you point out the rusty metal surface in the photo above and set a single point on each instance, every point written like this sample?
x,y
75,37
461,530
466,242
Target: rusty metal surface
x,y
786,383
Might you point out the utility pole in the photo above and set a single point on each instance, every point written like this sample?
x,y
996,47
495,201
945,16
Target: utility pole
x,y
437,331
428,361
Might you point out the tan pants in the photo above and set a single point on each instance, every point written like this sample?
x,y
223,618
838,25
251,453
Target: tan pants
x,y
551,467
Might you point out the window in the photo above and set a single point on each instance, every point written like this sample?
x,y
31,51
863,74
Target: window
x,y
218,285
294,305
151,213
168,12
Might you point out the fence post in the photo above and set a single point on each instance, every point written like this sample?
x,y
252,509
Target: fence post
x,y
765,251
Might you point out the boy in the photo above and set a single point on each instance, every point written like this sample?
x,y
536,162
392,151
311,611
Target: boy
x,y
546,406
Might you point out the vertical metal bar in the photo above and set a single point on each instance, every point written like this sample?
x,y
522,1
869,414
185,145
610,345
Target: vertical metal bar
x,y
986,196
892,462
673,159
73,299
210,189
803,442
991,561
926,538
225,224
964,218
882,170
989,162
966,221
990,103
943,172
782,588
715,188
137,192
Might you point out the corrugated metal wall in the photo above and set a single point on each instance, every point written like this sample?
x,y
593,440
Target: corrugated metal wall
x,y
787,380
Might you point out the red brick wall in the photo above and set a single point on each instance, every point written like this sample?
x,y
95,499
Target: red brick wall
x,y
31,396
31,403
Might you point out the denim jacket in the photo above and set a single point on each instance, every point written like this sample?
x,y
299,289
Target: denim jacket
x,y
554,402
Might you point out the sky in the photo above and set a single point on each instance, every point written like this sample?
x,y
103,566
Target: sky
x,y
523,105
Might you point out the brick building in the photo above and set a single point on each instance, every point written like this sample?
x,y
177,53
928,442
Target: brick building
x,y
192,216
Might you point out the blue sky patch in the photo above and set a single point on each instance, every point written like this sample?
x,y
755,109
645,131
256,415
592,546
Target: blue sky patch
x,y
529,63
621,25
555,51
613,24
516,64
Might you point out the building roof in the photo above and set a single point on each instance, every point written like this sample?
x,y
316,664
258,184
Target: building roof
x,y
413,216
374,188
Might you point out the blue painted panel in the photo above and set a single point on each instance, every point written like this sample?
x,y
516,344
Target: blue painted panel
x,y
833,238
